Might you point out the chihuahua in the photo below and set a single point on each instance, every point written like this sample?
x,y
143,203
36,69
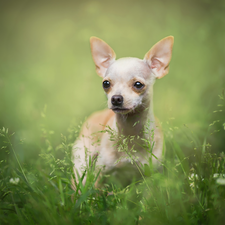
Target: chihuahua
x,y
128,84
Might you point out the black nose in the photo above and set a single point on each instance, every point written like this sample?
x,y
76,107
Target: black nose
x,y
117,100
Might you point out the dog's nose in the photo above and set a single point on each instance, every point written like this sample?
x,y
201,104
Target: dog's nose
x,y
117,100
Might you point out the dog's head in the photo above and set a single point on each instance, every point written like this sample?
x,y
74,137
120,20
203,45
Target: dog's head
x,y
127,81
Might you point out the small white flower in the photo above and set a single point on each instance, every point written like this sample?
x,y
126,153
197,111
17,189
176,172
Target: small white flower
x,y
220,178
61,203
220,181
14,180
192,176
216,175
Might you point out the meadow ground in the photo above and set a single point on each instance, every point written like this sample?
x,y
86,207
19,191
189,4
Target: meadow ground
x,y
48,85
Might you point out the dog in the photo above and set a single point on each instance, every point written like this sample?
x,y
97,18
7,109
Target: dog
x,y
128,84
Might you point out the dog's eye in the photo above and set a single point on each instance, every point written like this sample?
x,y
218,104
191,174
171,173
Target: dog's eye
x,y
138,85
106,84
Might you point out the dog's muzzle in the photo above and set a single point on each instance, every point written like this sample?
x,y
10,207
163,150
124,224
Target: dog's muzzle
x,y
117,100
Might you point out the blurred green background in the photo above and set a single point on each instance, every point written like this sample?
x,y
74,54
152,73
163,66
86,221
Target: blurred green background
x,y
45,60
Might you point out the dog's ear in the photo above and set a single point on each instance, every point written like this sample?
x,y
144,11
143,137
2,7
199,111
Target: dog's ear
x,y
102,54
159,56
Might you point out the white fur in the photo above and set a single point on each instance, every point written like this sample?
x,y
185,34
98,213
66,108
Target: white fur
x,y
137,115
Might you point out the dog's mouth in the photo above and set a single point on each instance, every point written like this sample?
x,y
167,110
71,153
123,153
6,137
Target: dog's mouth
x,y
121,110
131,111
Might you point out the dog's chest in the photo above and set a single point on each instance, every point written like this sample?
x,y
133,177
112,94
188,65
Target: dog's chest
x,y
125,151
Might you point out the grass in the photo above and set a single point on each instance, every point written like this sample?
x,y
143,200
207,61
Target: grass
x,y
46,63
189,190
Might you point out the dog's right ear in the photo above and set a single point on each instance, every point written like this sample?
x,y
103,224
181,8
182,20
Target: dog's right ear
x,y
159,56
102,54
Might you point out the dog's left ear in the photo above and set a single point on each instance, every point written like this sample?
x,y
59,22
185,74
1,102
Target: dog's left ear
x,y
103,55
159,56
